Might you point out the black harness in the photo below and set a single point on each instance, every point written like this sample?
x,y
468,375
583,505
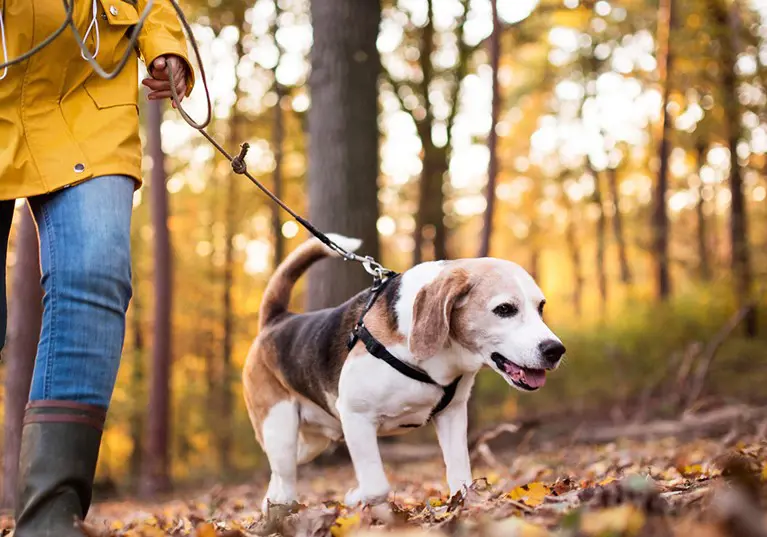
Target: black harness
x,y
374,347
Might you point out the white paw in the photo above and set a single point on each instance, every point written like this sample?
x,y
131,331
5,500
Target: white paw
x,y
358,496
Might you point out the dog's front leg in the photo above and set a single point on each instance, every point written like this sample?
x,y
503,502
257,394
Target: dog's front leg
x,y
360,432
452,430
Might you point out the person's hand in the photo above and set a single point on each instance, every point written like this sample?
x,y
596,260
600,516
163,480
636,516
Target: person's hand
x,y
159,83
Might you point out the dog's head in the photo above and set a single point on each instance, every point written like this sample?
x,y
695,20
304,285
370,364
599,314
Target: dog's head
x,y
494,310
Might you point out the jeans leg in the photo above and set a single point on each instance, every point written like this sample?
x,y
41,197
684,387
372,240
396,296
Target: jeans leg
x,y
86,276
6,218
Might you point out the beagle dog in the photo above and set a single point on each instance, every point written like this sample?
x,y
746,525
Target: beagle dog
x,y
429,331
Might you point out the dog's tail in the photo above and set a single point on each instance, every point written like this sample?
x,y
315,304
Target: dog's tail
x,y
277,293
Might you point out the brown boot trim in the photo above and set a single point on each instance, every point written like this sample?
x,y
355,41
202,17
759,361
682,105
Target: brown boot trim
x,y
64,418
93,410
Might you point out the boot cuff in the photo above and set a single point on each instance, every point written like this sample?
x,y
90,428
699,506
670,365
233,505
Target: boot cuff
x,y
65,412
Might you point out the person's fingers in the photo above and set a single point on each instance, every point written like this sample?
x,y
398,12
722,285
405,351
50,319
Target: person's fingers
x,y
155,84
154,95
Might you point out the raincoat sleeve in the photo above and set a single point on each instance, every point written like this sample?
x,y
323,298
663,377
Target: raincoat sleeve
x,y
162,34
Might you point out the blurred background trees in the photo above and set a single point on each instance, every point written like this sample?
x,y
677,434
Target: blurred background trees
x,y
614,149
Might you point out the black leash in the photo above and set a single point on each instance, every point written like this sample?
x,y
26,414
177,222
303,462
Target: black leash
x,y
375,348
239,167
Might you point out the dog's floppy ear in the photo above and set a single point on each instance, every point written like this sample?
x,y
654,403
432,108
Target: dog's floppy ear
x,y
432,310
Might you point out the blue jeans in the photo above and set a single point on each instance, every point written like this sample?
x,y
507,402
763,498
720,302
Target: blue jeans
x,y
84,235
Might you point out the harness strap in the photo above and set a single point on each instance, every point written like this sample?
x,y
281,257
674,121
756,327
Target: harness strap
x,y
374,347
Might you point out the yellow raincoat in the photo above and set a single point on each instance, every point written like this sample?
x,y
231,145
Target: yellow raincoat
x,y
60,123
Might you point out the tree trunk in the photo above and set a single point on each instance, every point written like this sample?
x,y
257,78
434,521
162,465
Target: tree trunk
x,y
601,233
24,320
704,264
728,21
620,239
138,374
430,218
278,143
431,232
157,461
343,139
660,222
226,408
492,138
575,258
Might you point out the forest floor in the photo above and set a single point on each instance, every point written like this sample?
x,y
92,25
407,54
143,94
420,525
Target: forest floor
x,y
703,474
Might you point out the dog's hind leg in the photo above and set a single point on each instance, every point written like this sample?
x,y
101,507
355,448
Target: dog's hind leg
x,y
279,433
310,445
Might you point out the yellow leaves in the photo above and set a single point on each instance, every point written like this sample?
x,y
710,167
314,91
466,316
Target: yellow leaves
x,y
691,470
493,478
205,530
514,527
344,525
531,494
436,502
625,520
764,472
606,481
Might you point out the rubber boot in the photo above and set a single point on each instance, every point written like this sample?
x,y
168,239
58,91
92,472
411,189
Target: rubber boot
x,y
59,449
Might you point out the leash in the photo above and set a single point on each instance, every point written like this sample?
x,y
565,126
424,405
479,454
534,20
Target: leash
x,y
371,266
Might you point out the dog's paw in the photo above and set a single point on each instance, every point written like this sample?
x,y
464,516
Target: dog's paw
x,y
359,497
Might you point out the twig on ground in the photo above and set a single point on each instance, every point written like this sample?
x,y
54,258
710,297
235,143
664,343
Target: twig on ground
x,y
717,420
701,372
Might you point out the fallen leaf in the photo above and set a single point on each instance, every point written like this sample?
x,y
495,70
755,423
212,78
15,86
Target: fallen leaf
x,y
206,529
514,527
531,494
624,520
344,525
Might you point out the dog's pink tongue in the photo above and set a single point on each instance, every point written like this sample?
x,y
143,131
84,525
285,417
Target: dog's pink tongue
x,y
535,378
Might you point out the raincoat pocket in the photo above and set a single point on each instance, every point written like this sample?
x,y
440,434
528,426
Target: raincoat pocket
x,y
116,20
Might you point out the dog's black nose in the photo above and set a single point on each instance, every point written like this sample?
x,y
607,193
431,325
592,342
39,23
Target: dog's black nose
x,y
551,350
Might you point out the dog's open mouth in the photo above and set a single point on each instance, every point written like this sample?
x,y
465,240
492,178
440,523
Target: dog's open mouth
x,y
523,377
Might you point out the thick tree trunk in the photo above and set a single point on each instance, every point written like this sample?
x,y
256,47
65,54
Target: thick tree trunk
x,y
157,461
343,139
728,20
660,222
620,239
704,264
492,138
431,232
25,310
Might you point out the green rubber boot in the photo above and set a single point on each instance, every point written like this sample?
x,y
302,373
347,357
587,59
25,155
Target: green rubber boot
x,y
59,448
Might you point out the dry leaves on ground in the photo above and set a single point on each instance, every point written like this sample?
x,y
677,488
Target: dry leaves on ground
x,y
632,489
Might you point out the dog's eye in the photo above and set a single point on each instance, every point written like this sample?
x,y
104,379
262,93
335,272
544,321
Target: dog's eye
x,y
540,307
506,310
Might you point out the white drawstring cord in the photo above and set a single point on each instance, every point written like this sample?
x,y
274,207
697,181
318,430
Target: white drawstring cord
x,y
4,46
94,25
